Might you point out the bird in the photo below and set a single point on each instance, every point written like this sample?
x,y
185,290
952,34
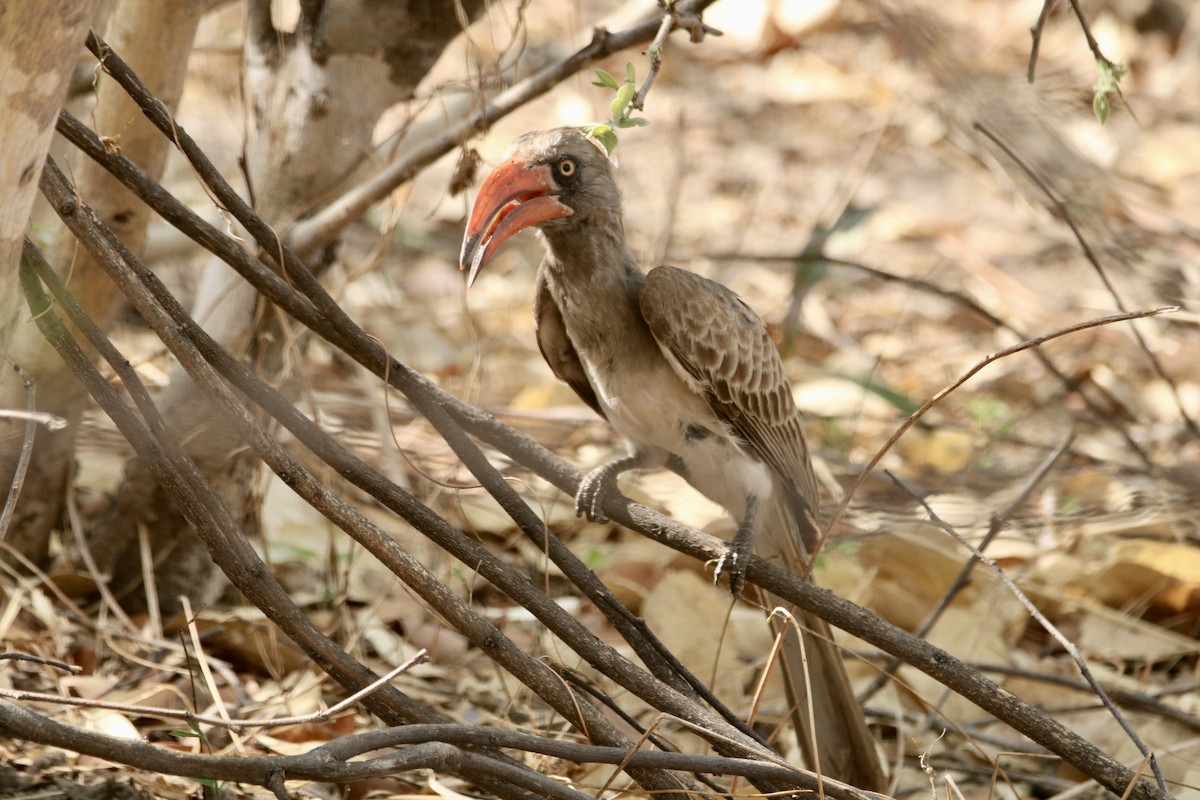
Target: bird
x,y
688,374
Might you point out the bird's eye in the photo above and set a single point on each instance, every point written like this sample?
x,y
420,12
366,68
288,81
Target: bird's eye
x,y
567,167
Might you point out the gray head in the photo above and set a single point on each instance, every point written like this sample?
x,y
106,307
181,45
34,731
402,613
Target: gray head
x,y
557,180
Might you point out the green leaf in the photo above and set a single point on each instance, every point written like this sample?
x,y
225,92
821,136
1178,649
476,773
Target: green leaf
x,y
620,103
596,130
1108,75
630,76
606,79
606,136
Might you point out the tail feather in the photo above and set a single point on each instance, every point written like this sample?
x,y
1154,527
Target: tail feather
x,y
834,738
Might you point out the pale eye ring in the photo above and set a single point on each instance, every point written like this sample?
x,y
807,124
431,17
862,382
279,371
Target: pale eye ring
x,y
567,167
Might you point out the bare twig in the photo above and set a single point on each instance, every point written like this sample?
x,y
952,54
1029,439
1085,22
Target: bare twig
x,y
1048,626
964,576
1061,208
1143,702
1037,341
1036,33
32,417
237,724
89,562
74,669
1068,383
51,421
200,659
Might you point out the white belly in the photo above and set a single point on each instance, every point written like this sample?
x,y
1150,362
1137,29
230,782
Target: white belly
x,y
661,416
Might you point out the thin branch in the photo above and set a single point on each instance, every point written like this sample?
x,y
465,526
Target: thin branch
x,y
74,669
1036,33
51,421
1061,208
1048,626
237,724
1139,700
1037,341
969,303
32,417
75,522
963,579
655,54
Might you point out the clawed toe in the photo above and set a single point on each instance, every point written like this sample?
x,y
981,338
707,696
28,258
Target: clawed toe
x,y
735,561
590,497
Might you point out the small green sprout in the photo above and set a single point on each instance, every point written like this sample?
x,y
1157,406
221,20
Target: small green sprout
x,y
622,105
1110,75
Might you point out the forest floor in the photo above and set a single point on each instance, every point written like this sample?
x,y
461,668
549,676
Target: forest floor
x,y
833,166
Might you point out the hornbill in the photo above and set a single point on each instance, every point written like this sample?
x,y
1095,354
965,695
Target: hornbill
x,y
687,373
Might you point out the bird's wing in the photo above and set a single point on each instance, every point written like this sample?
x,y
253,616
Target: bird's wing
x,y
556,347
722,350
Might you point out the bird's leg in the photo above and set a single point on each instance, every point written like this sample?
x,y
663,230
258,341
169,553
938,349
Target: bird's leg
x,y
736,558
597,483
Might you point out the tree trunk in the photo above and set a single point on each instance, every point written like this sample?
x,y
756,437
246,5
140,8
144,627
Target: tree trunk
x,y
315,95
39,47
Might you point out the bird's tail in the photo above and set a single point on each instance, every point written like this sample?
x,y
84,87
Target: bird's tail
x,y
829,721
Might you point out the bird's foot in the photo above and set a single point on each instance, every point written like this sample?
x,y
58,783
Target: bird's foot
x,y
736,560
593,487
598,483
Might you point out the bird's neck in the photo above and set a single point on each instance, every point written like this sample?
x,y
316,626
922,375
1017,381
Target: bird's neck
x,y
595,282
592,264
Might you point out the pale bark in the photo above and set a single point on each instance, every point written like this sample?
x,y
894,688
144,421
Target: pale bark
x,y
39,47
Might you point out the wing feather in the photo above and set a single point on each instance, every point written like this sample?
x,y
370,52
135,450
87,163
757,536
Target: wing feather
x,y
556,346
726,354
